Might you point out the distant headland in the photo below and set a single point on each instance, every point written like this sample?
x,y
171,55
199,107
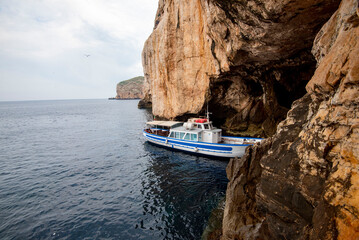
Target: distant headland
x,y
129,89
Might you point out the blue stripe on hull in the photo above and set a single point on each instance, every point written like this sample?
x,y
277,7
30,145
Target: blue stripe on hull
x,y
201,154
170,141
194,147
208,147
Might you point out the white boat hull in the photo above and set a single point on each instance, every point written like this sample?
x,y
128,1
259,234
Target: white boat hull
x,y
209,149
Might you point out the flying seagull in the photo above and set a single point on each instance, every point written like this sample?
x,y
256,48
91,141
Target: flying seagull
x,y
87,55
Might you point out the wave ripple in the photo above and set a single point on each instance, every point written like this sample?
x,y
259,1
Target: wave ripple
x,y
80,169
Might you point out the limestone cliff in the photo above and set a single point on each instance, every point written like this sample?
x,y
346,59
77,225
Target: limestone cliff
x,y
303,182
130,89
177,59
259,64
248,59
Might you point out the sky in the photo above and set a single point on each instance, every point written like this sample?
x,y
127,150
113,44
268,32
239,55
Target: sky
x,y
71,49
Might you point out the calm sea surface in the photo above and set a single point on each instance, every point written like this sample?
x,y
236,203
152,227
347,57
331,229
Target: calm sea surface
x,y
80,169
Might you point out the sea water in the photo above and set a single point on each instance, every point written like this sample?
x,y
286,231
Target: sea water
x,y
81,169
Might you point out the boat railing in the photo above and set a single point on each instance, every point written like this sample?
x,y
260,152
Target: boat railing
x,y
159,132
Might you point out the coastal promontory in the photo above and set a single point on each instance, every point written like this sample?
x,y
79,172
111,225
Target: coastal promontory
x,y
130,89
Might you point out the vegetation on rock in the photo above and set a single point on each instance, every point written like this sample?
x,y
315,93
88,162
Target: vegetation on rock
x,y
130,89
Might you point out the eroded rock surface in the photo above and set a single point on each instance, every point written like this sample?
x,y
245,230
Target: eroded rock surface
x,y
249,59
306,183
177,59
130,89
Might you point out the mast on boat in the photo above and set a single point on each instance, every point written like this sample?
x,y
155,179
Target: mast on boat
x,y
207,113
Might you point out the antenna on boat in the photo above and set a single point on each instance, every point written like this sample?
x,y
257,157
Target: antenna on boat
x,y
207,112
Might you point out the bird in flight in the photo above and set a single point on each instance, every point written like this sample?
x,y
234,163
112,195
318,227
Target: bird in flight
x,y
87,55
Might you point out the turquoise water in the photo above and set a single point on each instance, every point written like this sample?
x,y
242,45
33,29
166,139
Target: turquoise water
x,y
80,169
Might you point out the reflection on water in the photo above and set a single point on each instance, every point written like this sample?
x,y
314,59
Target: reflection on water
x,y
180,191
81,169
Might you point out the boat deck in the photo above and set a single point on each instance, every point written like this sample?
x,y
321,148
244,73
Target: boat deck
x,y
239,140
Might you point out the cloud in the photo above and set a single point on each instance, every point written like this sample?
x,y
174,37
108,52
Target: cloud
x,y
48,40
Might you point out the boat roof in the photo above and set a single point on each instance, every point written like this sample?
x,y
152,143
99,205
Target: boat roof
x,y
163,123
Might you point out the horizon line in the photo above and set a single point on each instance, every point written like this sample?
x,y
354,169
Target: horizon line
x,y
57,99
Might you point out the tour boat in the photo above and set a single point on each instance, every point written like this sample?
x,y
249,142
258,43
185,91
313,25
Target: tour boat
x,y
197,135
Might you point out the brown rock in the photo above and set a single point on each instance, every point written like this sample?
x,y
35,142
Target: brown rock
x,y
177,59
244,175
307,186
130,89
236,55
250,60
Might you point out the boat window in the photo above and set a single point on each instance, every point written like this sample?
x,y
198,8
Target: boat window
x,y
193,137
206,126
177,134
182,135
172,135
187,136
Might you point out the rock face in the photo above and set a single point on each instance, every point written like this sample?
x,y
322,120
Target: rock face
x,y
303,182
248,59
253,62
130,89
177,59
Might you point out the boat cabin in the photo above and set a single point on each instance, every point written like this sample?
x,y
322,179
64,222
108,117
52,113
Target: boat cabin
x,y
195,129
182,133
161,128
